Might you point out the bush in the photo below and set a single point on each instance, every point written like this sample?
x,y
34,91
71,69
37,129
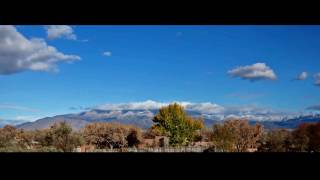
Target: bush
x,y
134,137
111,135
7,136
236,135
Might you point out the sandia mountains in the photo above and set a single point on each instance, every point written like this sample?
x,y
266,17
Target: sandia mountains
x,y
143,118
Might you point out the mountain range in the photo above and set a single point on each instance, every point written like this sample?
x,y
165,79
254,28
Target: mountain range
x,y
143,118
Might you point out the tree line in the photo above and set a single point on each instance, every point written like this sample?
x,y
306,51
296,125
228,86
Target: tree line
x,y
231,135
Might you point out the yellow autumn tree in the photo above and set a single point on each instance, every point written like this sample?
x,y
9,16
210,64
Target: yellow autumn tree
x,y
173,122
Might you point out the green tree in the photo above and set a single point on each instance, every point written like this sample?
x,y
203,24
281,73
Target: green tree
x,y
173,122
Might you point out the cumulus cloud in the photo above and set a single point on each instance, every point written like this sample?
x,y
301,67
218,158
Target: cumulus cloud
x,y
60,31
146,105
302,76
17,53
317,79
257,71
205,109
107,53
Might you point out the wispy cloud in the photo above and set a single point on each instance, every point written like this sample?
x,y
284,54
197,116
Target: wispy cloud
x,y
18,108
255,72
107,53
17,120
17,53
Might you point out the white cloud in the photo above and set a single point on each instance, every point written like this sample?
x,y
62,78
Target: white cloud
x,y
17,53
60,31
302,76
153,105
206,109
146,105
257,71
317,79
107,53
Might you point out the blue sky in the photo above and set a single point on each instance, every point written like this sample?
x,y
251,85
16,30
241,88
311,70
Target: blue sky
x,y
164,63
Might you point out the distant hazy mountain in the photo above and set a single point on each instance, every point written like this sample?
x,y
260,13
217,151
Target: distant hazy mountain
x,y
141,114
140,118
48,121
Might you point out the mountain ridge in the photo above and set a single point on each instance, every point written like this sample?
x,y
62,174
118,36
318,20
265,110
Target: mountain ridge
x,y
143,119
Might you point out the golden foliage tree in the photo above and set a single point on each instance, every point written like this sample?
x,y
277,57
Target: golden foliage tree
x,y
236,135
173,121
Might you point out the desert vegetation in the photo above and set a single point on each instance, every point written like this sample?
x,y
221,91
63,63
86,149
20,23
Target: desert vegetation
x,y
171,123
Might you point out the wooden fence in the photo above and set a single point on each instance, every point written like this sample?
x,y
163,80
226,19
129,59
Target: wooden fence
x,y
155,149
